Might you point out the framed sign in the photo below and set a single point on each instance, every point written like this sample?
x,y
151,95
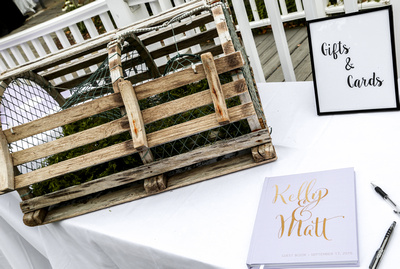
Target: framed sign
x,y
354,63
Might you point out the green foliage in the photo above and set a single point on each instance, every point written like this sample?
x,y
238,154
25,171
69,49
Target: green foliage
x,y
90,173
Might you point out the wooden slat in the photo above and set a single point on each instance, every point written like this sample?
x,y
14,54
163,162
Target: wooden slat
x,y
72,141
153,169
132,109
115,65
155,184
185,43
74,66
126,148
63,117
121,125
217,95
228,48
131,194
6,165
187,76
223,31
161,34
190,102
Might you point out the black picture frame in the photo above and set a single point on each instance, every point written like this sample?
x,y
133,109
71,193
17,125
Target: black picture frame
x,y
353,61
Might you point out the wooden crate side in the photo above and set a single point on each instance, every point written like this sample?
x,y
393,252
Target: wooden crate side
x,y
122,125
187,76
130,193
169,134
152,169
63,117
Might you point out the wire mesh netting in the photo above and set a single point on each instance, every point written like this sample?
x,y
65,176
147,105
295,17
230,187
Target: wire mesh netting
x,y
23,101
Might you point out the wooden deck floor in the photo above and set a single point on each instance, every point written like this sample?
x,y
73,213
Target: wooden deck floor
x,y
298,46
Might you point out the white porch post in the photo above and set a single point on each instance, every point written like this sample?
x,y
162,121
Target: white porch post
x,y
280,39
248,40
121,12
350,6
314,9
396,26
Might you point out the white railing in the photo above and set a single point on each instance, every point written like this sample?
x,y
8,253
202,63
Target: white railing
x,y
41,40
278,13
51,36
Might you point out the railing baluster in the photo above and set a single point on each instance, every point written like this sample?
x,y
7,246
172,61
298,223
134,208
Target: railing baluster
x,y
254,10
28,52
299,5
63,39
17,55
76,33
155,7
50,43
38,47
8,58
282,4
3,66
91,27
105,19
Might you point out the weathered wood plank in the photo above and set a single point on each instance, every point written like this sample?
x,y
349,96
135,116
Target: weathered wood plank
x,y
187,76
217,95
6,165
186,43
155,184
132,109
72,141
126,148
263,152
130,194
115,65
191,102
79,64
222,29
122,125
153,169
181,27
64,117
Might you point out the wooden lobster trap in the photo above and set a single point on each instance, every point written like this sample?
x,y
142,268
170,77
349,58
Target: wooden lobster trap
x,y
97,124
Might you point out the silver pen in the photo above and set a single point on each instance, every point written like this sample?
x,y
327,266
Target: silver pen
x,y
378,254
386,198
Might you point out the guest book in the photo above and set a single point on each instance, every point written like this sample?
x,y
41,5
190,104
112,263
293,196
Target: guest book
x,y
306,220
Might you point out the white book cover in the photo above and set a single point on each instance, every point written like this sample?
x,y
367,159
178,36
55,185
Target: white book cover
x,y
306,220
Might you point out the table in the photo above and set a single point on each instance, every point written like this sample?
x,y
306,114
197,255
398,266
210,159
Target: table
x,y
209,224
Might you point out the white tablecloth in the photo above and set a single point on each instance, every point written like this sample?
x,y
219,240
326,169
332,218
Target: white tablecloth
x,y
209,225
